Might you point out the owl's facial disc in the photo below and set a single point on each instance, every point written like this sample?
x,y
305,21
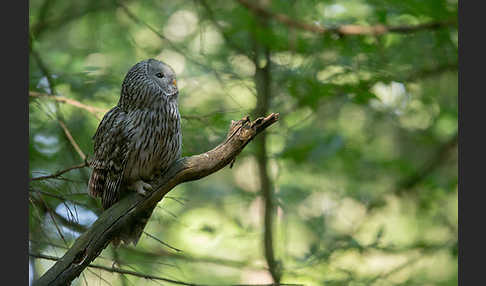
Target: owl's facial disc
x,y
164,76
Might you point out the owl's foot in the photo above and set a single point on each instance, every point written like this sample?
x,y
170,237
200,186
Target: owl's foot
x,y
141,187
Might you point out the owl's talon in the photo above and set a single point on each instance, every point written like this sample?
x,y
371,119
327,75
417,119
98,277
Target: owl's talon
x,y
141,187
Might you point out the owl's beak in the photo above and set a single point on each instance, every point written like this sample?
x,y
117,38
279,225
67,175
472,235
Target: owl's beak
x,y
174,82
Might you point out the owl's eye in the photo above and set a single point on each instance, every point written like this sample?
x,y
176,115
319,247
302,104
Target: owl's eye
x,y
159,75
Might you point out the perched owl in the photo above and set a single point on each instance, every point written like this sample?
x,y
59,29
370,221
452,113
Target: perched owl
x,y
137,139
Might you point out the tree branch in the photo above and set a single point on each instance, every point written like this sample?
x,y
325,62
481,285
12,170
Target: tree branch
x,y
71,140
116,270
91,109
97,111
42,66
161,242
147,276
58,174
408,183
90,244
344,30
54,215
72,13
263,85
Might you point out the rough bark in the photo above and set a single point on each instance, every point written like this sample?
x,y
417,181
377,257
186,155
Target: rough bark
x,y
90,244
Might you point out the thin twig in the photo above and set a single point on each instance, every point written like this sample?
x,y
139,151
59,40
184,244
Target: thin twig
x,y
45,71
68,15
162,253
57,174
395,269
49,211
63,198
148,276
163,243
91,109
71,224
99,276
179,200
52,92
40,242
37,215
435,161
71,140
96,111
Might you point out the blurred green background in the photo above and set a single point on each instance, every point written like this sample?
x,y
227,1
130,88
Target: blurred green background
x,y
355,185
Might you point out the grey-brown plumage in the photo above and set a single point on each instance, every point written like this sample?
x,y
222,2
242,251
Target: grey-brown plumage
x,y
137,139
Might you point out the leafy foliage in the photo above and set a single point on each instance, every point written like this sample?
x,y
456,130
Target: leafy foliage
x,y
363,162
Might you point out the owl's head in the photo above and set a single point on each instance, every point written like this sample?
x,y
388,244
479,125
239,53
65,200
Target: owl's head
x,y
148,82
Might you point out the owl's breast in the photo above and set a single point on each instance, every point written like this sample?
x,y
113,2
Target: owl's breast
x,y
156,143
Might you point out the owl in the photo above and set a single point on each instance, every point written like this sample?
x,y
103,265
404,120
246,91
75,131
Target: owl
x,y
137,139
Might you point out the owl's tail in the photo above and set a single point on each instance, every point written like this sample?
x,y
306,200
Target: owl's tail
x,y
105,185
132,231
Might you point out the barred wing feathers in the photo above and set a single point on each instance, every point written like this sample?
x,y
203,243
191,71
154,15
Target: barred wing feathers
x,y
110,158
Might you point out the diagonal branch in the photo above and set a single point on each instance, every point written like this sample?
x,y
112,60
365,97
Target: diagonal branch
x,y
50,212
44,70
344,30
71,140
90,244
436,161
161,242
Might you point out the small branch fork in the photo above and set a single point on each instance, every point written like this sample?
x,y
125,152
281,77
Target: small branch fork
x,y
90,244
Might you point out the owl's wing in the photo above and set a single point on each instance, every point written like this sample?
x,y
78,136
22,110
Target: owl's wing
x,y
109,159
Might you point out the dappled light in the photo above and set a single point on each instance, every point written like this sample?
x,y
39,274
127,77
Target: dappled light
x,y
349,178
